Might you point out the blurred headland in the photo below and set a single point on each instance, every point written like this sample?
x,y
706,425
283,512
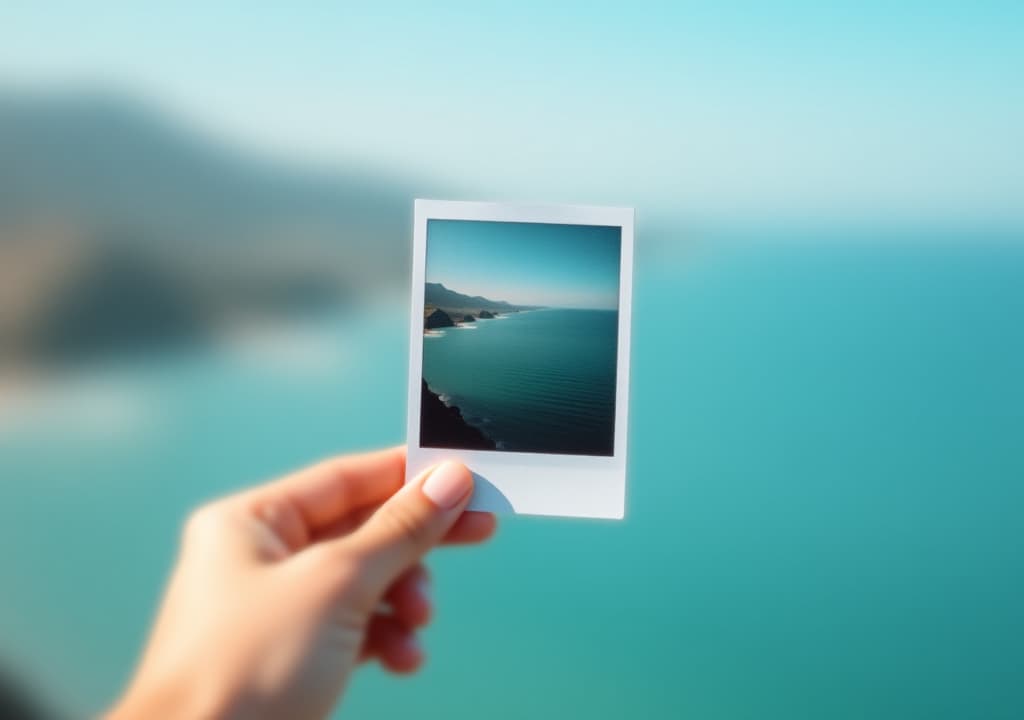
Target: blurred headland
x,y
122,231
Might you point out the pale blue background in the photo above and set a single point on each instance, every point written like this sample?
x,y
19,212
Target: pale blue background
x,y
826,489
894,111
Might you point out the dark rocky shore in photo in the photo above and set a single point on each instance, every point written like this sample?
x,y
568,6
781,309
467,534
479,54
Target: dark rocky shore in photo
x,y
434,318
444,308
442,426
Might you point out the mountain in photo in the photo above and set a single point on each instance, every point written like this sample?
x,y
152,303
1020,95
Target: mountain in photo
x,y
437,295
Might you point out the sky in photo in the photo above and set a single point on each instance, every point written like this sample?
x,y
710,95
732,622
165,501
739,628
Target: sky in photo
x,y
569,266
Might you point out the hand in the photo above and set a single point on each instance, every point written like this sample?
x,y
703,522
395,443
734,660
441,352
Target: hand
x,y
281,591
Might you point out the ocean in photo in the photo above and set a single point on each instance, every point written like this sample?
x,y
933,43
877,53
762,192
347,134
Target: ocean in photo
x,y
541,381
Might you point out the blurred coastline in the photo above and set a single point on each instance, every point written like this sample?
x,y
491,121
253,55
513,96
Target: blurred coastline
x,y
122,233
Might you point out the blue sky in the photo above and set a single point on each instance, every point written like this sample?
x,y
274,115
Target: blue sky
x,y
793,109
572,266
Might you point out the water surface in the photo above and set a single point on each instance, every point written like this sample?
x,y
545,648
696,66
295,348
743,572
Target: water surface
x,y
824,500
540,381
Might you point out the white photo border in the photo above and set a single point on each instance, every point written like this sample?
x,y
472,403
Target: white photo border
x,y
529,483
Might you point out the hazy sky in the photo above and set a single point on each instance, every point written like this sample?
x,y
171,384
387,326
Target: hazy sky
x,y
573,266
883,109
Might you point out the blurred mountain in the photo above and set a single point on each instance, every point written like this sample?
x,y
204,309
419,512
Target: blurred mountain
x,y
122,229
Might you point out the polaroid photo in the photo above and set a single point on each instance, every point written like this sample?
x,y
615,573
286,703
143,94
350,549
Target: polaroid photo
x,y
519,352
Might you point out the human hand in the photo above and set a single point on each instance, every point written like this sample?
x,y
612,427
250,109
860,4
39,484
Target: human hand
x,y
282,590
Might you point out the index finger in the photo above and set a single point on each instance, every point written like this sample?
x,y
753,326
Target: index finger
x,y
326,492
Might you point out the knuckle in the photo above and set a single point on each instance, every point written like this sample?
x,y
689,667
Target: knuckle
x,y
333,562
338,573
403,523
353,592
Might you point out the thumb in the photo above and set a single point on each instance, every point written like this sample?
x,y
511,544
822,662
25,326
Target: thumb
x,y
409,524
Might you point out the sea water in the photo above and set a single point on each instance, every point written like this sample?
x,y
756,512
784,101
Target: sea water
x,y
538,381
824,502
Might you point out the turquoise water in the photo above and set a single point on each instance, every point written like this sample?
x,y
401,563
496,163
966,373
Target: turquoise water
x,y
825,509
541,381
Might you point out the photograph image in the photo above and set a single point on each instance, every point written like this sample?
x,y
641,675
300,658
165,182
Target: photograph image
x,y
520,337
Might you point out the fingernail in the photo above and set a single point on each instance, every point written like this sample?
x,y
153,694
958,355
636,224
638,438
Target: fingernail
x,y
448,484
